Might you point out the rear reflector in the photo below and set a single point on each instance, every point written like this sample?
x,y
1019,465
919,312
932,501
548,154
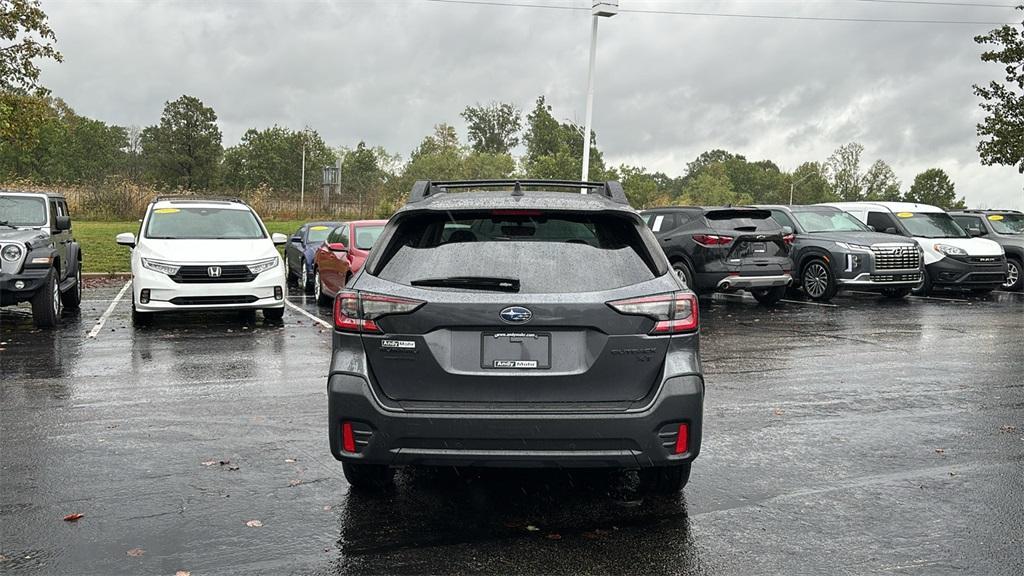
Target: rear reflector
x,y
710,240
348,439
359,311
674,312
682,439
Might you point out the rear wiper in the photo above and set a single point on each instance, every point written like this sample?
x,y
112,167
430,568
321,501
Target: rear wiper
x,y
496,284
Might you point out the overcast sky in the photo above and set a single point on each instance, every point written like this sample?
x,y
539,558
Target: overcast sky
x,y
668,86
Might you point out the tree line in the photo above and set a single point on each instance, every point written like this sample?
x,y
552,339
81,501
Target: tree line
x,y
46,142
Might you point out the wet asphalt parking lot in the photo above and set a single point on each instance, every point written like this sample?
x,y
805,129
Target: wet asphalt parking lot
x,y
868,437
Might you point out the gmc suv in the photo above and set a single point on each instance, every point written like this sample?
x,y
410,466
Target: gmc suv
x,y
516,328
833,250
40,261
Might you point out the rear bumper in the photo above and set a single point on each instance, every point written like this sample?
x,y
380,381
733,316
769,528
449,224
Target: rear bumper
x,y
753,282
568,439
951,272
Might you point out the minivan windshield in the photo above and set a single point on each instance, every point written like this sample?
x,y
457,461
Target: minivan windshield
x,y
195,223
22,210
534,251
931,225
828,221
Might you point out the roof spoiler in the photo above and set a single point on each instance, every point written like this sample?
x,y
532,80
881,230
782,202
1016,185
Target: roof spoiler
x,y
424,188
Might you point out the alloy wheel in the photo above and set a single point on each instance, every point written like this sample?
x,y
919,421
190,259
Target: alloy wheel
x,y
317,290
56,298
303,276
815,280
1012,274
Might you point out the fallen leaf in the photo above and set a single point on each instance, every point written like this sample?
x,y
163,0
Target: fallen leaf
x,y
952,473
225,462
209,463
554,536
1008,429
294,482
290,460
73,517
232,468
778,412
182,573
327,508
940,450
254,524
135,552
532,528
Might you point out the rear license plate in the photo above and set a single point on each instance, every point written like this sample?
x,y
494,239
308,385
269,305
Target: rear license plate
x,y
759,247
515,350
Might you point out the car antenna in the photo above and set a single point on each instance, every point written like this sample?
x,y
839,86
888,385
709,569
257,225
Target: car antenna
x,y
517,190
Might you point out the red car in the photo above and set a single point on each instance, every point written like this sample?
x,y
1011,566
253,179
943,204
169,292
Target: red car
x,y
341,256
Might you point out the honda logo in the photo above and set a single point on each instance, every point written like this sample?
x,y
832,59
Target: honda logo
x,y
213,271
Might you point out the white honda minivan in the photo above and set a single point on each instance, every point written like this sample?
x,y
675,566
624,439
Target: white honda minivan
x,y
204,254
952,258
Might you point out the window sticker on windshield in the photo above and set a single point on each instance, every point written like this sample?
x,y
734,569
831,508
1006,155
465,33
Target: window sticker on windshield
x,y
318,227
905,214
656,227
995,217
166,210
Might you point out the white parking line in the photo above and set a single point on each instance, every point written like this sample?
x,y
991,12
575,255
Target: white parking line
x,y
316,319
110,309
936,298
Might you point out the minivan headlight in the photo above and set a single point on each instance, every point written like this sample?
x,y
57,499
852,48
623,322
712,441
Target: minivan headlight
x,y
12,252
950,250
263,265
161,267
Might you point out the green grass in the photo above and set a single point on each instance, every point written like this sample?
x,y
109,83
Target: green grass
x,y
101,254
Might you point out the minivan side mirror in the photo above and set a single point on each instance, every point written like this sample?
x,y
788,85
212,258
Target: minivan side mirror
x,y
975,232
891,230
872,228
62,223
279,238
126,239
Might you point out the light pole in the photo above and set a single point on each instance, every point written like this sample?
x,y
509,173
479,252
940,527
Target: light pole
x,y
792,185
600,8
302,187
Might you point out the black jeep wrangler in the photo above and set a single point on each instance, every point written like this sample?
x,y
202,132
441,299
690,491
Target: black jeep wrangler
x,y
40,262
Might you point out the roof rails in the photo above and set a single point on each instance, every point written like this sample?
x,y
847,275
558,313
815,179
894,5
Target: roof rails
x,y
188,198
983,210
424,188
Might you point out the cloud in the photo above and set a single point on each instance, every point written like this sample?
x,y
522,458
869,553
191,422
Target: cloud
x,y
668,87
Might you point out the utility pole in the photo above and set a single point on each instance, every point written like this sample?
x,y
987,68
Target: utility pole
x,y
302,188
599,9
792,185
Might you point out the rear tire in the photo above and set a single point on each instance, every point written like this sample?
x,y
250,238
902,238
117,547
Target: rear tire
x,y
368,477
665,479
817,281
1014,282
275,314
896,293
46,305
303,280
769,296
72,299
684,269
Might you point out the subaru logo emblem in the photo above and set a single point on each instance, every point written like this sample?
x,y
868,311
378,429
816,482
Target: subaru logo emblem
x,y
516,315
213,271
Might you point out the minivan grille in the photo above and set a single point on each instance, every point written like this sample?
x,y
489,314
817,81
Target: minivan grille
x,y
896,257
211,300
201,274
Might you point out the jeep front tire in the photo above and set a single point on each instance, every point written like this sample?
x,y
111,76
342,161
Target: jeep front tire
x,y
46,304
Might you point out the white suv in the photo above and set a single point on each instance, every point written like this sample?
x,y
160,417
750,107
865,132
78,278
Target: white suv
x,y
204,254
952,258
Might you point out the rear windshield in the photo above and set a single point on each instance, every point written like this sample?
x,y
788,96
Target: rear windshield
x,y
366,236
547,252
743,220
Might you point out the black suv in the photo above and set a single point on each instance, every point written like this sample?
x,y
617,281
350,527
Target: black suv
x,y
1004,227
833,250
516,328
40,262
725,249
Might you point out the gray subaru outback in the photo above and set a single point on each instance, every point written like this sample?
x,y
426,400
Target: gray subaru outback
x,y
509,325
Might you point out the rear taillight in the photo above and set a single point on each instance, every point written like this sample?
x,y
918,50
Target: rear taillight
x,y
789,239
710,240
673,313
359,311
